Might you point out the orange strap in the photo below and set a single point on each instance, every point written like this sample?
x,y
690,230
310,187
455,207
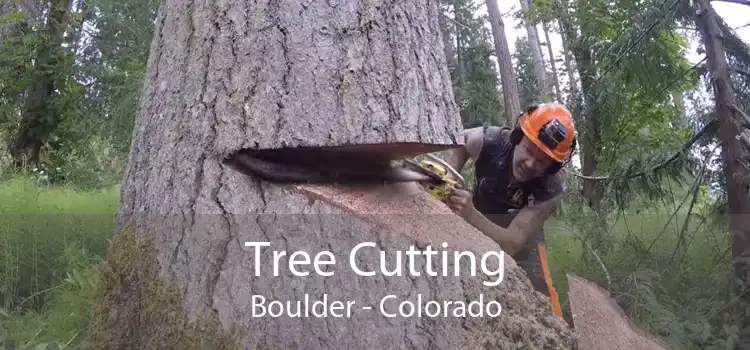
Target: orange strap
x,y
542,249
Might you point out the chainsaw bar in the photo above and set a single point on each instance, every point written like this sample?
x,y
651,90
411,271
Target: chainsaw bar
x,y
343,171
416,167
435,178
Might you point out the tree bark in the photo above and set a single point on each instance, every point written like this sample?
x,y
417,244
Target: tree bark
x,y
553,64
508,80
569,67
233,75
38,116
567,53
738,200
590,140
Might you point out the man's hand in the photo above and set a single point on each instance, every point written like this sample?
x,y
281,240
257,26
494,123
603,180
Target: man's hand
x,y
461,204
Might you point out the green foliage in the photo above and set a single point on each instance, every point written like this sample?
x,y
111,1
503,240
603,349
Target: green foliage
x,y
667,271
36,226
482,104
116,62
634,65
90,114
475,79
16,71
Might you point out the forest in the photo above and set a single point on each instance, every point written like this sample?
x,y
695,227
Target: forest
x,y
657,204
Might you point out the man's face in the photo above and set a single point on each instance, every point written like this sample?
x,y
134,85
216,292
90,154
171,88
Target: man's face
x,y
529,161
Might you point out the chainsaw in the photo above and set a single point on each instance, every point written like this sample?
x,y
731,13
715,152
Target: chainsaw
x,y
333,166
444,179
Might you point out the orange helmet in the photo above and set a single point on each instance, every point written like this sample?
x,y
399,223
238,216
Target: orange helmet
x,y
550,127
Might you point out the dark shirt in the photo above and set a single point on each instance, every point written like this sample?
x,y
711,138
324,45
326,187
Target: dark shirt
x,y
494,195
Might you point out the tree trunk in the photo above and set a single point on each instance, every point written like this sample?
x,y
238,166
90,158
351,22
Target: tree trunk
x,y
38,116
553,64
738,200
591,141
569,68
679,103
590,138
508,80
460,45
459,73
295,74
536,54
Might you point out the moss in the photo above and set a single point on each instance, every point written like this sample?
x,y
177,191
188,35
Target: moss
x,y
135,308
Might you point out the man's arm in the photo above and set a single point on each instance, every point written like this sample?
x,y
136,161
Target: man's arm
x,y
473,140
527,222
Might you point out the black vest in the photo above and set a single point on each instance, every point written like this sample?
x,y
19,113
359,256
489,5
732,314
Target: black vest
x,y
494,196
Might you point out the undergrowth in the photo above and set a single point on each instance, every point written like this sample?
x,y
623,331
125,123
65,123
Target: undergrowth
x,y
51,240
668,269
54,238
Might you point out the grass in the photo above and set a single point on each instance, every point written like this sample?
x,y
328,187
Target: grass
x,y
671,275
52,238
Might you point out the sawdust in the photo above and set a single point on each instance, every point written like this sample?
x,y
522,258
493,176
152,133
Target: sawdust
x,y
403,206
406,208
600,323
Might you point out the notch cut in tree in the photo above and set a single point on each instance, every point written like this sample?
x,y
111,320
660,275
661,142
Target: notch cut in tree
x,y
235,77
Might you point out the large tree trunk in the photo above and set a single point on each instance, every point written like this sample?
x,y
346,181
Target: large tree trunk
x,y
738,200
511,97
295,74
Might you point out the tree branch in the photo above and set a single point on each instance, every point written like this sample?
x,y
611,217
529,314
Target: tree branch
x,y
740,70
706,129
741,2
453,20
745,118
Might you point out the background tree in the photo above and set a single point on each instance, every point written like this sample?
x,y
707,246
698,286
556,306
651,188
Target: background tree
x,y
469,53
529,89
502,53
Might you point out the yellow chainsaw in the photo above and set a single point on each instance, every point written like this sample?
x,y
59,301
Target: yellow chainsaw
x,y
444,179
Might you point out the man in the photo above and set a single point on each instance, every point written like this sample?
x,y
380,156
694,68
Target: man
x,y
517,186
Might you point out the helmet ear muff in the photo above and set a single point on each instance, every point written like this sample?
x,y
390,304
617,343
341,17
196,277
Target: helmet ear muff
x,y
516,135
554,168
557,166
